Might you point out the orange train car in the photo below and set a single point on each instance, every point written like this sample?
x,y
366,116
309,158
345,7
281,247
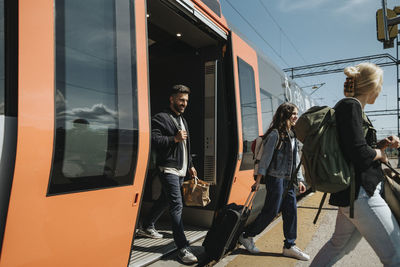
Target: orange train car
x,y
79,83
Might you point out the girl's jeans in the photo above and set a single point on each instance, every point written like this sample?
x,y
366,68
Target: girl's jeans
x,y
274,202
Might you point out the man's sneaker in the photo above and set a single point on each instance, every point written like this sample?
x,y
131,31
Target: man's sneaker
x,y
149,232
248,243
186,256
295,252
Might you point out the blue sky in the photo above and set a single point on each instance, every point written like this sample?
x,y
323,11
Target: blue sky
x,y
302,32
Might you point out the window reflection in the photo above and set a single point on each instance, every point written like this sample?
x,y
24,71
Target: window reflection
x,y
267,109
96,105
2,59
249,112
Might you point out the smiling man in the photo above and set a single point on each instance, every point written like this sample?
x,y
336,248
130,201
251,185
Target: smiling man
x,y
170,138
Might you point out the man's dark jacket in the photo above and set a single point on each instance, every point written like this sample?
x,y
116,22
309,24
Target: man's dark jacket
x,y
163,131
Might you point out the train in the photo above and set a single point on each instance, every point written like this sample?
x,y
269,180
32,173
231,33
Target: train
x,y
80,81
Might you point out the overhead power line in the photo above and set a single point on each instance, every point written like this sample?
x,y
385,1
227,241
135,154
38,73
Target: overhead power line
x,y
382,60
259,35
386,112
283,32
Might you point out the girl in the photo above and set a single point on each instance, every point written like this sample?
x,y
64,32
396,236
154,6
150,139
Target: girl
x,y
278,162
372,216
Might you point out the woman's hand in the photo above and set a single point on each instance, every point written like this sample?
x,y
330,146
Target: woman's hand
x,y
380,155
384,158
390,141
394,141
302,188
255,186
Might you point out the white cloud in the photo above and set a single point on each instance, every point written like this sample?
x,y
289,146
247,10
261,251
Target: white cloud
x,y
359,10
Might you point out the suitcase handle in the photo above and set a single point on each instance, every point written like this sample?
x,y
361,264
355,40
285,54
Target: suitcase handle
x,y
248,202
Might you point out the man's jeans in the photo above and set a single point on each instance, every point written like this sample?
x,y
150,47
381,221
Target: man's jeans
x,y
372,220
273,204
171,196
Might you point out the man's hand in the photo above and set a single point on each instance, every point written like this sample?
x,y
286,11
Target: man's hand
x,y
180,136
193,172
302,188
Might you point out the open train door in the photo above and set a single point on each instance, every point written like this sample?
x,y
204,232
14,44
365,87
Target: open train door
x,y
83,133
245,68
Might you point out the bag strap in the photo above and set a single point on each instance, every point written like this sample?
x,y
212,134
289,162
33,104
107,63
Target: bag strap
x,y
257,156
195,183
175,122
395,178
320,207
352,195
390,167
352,199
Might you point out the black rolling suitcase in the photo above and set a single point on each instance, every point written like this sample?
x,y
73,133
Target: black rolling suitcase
x,y
227,226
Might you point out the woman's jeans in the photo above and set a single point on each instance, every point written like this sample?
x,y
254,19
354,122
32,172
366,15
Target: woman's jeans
x,y
274,202
372,220
171,196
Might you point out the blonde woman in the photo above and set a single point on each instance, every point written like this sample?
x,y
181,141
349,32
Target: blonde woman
x,y
373,219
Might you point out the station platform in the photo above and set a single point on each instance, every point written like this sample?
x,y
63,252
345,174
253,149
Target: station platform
x,y
310,239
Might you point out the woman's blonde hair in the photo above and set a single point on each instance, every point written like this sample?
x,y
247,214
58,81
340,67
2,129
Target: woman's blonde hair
x,y
362,79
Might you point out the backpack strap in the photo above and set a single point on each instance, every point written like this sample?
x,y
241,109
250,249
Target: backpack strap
x,y
352,199
259,149
320,207
292,180
352,196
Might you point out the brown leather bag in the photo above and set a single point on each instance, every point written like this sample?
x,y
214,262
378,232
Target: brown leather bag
x,y
392,190
196,192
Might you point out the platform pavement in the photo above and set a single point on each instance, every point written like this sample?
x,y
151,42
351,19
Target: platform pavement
x,y
310,238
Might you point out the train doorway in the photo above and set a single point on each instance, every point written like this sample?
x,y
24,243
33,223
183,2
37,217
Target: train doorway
x,y
182,50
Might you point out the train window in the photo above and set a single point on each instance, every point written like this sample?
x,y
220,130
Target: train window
x,y
2,59
267,109
248,106
96,96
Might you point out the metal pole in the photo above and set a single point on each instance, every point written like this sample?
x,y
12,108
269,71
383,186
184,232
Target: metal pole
x,y
385,23
398,112
397,75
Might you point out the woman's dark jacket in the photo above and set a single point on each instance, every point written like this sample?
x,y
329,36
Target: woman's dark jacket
x,y
357,149
163,131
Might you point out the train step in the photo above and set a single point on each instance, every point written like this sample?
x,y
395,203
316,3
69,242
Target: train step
x,y
147,250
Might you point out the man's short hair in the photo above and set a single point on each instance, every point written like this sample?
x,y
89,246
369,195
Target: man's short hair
x,y
179,89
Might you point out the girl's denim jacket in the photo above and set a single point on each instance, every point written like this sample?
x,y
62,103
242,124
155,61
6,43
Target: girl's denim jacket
x,y
281,164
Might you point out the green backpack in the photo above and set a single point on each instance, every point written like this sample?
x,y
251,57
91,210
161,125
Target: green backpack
x,y
325,166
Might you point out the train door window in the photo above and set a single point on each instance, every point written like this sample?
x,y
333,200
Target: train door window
x,y
248,106
96,96
2,59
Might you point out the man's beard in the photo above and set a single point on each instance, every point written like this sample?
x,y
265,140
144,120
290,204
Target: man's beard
x,y
178,108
